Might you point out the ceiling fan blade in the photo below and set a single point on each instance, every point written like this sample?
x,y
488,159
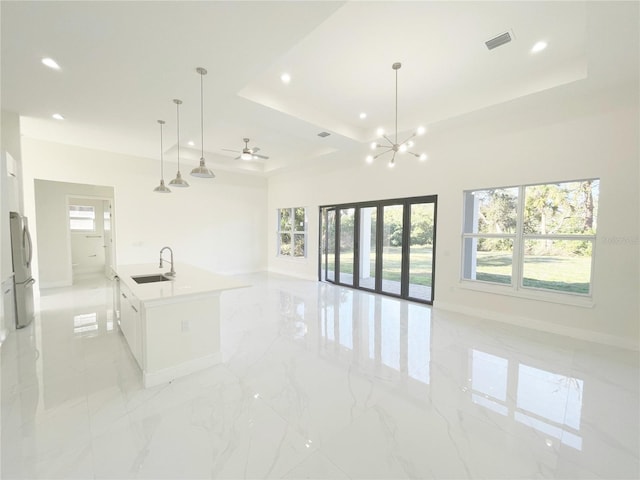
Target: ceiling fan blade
x,y
237,158
254,150
229,150
261,156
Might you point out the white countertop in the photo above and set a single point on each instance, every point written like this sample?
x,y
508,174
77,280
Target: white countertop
x,y
188,281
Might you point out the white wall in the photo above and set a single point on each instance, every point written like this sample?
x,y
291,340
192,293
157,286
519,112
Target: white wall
x,y
552,136
218,224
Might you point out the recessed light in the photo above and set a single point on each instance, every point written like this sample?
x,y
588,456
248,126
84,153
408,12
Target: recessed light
x,y
57,116
285,77
51,63
538,47
363,116
190,143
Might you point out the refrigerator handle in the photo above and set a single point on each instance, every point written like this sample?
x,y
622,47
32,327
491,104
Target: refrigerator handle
x,y
26,235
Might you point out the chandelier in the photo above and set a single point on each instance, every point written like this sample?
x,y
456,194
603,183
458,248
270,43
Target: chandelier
x,y
393,145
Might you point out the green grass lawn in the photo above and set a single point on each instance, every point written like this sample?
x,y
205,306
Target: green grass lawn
x,y
563,274
420,257
559,273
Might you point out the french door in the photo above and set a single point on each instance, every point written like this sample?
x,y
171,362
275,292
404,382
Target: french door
x,y
384,246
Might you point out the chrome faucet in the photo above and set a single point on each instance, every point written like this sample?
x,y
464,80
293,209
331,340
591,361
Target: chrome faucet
x,y
171,273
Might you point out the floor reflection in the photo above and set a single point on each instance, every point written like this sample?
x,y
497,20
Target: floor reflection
x,y
383,333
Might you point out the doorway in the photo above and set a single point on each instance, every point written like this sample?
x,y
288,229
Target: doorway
x,y
90,236
385,246
73,241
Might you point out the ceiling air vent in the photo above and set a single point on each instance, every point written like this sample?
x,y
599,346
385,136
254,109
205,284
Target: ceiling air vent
x,y
498,41
324,134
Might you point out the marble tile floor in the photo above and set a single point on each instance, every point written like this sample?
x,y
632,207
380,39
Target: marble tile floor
x,y
317,381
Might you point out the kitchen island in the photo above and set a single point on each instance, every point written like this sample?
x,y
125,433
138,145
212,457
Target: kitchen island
x,y
171,326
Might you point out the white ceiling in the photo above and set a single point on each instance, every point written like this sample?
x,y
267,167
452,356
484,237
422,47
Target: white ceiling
x,y
123,63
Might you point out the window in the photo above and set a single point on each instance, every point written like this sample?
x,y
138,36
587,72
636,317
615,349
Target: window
x,y
292,232
82,218
535,237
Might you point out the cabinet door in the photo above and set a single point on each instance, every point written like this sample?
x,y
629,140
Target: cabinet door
x,y
136,334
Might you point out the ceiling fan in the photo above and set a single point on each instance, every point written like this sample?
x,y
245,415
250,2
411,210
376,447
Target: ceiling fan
x,y
247,153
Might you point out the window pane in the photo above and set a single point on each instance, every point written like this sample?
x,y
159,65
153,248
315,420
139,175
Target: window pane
x,y
82,218
300,219
421,250
368,216
285,219
562,208
84,224
488,259
298,245
347,229
559,265
491,211
285,244
77,211
331,246
392,248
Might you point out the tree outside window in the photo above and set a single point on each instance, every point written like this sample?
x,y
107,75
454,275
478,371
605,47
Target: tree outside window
x,y
532,236
292,232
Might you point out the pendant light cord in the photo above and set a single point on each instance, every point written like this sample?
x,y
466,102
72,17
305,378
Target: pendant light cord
x,y
396,140
202,114
178,130
161,155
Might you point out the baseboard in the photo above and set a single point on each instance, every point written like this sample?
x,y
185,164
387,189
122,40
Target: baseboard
x,y
151,379
293,274
58,284
531,323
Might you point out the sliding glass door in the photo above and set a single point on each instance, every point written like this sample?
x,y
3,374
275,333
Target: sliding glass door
x,y
384,246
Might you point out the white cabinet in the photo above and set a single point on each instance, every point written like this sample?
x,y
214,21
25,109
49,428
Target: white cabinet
x,y
130,321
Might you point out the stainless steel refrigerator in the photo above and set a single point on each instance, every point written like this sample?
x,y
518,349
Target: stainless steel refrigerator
x,y
22,254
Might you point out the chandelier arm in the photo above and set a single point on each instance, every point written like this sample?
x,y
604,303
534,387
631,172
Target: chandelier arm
x,y
414,154
408,138
382,153
393,159
387,139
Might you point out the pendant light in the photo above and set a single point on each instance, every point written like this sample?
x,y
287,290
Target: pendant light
x,y
178,181
162,188
202,171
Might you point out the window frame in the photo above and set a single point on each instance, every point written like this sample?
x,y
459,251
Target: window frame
x,y
292,232
75,217
516,287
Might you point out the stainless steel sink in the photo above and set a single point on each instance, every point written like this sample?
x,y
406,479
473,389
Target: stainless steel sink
x,y
151,278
